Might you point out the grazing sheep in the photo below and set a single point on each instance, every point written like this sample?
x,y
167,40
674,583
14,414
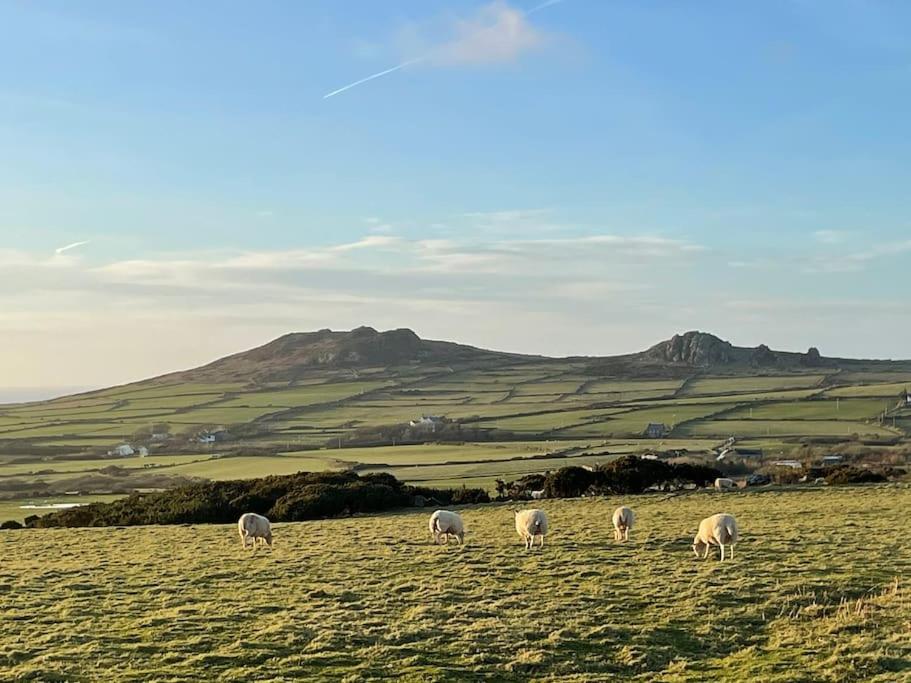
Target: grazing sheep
x,y
720,530
254,528
623,519
723,484
444,523
530,524
537,495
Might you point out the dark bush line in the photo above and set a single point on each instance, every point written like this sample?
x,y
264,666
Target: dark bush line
x,y
629,474
288,498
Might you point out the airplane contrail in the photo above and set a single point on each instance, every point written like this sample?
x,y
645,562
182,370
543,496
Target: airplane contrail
x,y
380,74
376,75
74,245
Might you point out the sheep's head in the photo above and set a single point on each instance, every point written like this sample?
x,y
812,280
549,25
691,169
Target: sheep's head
x,y
698,547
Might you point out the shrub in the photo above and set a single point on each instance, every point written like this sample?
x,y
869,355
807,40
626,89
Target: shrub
x,y
848,474
466,496
568,482
10,524
625,475
282,498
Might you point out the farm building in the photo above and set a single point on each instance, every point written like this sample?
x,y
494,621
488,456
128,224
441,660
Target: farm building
x,y
123,450
142,451
427,422
831,459
793,464
212,436
656,430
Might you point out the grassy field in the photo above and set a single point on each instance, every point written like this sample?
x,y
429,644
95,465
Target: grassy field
x,y
817,592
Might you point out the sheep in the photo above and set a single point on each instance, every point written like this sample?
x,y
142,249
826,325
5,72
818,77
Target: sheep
x,y
537,495
623,519
723,484
530,524
720,530
254,528
444,523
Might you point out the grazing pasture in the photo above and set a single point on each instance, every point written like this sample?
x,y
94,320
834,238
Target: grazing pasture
x,y
817,591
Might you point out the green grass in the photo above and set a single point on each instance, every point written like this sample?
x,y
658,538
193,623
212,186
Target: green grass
x,y
891,391
633,423
725,385
372,599
252,467
824,409
782,428
534,424
626,387
301,396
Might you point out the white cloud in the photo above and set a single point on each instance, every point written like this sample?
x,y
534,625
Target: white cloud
x,y
498,33
601,293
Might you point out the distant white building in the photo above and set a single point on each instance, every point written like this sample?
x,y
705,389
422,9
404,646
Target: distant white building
x,y
123,450
142,451
793,464
212,436
831,459
427,422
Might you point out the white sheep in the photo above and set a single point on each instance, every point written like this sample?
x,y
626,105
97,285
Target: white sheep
x,y
720,530
537,495
623,519
444,523
254,528
722,484
531,524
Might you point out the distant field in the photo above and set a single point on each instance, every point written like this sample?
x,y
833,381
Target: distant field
x,y
724,385
890,391
25,507
816,601
819,409
782,428
538,401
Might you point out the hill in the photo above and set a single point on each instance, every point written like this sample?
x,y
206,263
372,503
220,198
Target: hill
x,y
299,354
339,400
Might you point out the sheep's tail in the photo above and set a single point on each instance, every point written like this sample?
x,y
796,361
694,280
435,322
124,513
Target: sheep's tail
x,y
731,530
537,524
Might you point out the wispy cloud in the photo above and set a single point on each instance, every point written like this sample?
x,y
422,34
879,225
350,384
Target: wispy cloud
x,y
497,33
831,236
70,247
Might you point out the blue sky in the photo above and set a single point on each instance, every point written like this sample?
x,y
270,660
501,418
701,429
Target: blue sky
x,y
589,177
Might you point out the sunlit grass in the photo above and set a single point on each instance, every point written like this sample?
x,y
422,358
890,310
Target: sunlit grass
x,y
817,592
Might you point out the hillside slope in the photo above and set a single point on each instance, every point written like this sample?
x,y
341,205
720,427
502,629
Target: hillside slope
x,y
298,354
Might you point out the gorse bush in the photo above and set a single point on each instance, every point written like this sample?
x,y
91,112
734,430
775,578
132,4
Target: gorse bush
x,y
287,498
625,475
848,474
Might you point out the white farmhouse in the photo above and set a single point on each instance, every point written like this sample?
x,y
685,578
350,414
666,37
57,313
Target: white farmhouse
x,y
123,450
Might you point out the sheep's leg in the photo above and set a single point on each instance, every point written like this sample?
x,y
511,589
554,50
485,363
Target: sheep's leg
x,y
705,555
732,551
626,534
722,551
542,540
